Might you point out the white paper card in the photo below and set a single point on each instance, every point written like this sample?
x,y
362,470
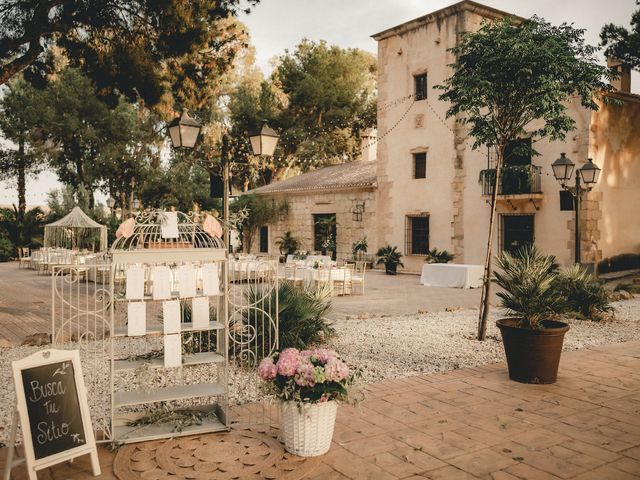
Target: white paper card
x,y
136,319
172,351
200,312
171,316
135,283
210,279
161,282
169,225
186,278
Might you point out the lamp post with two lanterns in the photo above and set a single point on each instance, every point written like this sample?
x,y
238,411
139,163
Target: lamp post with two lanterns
x,y
184,132
585,178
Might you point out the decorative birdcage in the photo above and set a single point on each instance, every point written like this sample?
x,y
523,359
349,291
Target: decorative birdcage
x,y
150,229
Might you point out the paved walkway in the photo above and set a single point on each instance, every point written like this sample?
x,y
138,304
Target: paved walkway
x,y
464,424
25,300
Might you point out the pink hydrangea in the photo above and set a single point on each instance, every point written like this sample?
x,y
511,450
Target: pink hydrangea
x,y
267,369
336,370
323,355
288,362
305,375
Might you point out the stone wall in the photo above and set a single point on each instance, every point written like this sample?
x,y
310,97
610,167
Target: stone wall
x,y
302,207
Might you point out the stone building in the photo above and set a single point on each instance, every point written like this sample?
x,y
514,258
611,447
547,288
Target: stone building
x,y
346,191
426,190
429,194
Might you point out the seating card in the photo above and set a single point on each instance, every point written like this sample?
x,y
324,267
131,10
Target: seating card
x,y
171,316
161,282
136,319
210,279
172,351
186,278
135,283
169,225
200,312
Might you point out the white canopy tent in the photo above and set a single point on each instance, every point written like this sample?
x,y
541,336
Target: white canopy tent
x,y
71,229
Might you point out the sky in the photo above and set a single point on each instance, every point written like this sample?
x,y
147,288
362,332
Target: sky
x,y
276,25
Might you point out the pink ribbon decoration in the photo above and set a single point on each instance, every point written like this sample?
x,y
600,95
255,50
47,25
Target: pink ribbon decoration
x,y
212,226
126,228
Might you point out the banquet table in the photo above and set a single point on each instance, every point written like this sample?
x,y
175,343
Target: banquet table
x,y
451,275
311,259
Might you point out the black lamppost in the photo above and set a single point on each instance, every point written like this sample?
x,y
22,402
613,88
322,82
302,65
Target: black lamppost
x,y
588,175
184,131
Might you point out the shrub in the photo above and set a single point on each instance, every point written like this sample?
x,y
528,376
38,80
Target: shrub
x,y
581,293
527,279
288,244
301,314
617,263
438,256
6,249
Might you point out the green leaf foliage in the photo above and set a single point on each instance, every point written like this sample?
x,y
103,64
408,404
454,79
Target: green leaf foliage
x,y
621,43
527,279
509,73
582,293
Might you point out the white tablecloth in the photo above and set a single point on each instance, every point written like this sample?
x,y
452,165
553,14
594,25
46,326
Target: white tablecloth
x,y
311,259
452,275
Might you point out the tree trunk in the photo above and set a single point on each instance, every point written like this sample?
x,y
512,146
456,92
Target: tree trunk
x,y
22,201
486,281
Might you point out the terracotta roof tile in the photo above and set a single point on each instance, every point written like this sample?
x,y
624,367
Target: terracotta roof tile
x,y
345,175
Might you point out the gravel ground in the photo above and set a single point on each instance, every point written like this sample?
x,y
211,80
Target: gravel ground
x,y
401,346
381,347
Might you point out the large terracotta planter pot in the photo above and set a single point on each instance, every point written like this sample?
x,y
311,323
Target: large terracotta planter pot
x,y
533,356
307,428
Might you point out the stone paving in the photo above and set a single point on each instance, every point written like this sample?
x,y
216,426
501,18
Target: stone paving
x,y
463,424
25,300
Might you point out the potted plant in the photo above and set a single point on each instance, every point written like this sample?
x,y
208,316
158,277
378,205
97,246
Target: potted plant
x,y
359,248
532,339
308,383
287,244
438,256
390,256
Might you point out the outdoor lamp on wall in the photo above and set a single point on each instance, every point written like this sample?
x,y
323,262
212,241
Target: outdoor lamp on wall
x,y
136,204
585,178
184,131
264,141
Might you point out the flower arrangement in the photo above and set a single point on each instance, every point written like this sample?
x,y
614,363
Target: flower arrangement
x,y
306,376
360,246
329,243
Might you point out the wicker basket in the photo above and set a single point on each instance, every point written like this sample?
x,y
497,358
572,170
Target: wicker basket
x,y
308,427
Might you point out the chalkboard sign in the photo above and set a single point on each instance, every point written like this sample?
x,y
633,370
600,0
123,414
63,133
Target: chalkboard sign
x,y
52,410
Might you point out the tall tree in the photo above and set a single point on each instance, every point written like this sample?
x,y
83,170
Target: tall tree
x,y
120,44
319,99
532,71
93,146
621,43
23,114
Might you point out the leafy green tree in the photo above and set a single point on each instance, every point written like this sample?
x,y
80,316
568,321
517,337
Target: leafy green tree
x,y
121,45
531,72
93,146
621,43
259,212
23,229
319,99
21,120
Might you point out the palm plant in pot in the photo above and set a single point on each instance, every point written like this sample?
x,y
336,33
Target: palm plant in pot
x,y
390,256
532,340
308,383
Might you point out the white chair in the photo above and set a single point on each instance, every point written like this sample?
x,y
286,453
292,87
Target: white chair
x,y
358,276
24,254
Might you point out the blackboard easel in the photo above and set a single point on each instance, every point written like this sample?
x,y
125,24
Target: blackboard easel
x,y
51,409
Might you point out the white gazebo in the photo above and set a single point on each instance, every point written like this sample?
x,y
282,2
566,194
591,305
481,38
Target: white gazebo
x,y
69,230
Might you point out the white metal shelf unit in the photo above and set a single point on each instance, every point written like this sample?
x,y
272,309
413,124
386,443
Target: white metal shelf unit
x,y
208,347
